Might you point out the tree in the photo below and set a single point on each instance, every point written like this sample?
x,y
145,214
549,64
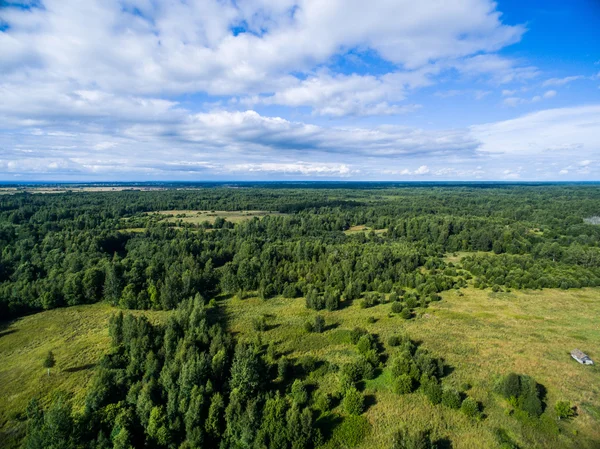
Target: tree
x,y
319,325
49,361
299,393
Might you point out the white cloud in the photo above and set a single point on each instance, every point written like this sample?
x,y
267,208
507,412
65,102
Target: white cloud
x,y
561,81
553,131
422,170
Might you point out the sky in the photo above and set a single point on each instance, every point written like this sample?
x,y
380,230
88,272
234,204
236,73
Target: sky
x,y
208,90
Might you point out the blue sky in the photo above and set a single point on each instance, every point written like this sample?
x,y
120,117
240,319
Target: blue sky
x,y
119,90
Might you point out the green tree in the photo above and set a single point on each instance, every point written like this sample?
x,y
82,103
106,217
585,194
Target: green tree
x,y
49,361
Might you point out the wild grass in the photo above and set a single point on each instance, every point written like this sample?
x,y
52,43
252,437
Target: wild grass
x,y
481,336
363,229
200,216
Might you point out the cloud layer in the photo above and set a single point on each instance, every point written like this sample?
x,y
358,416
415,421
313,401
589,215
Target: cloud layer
x,y
140,89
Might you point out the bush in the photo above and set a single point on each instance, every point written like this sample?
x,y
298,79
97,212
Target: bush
x,y
470,407
351,432
308,327
451,398
414,440
259,323
356,333
404,384
397,307
365,343
354,402
358,370
371,320
394,340
433,390
509,386
406,314
564,410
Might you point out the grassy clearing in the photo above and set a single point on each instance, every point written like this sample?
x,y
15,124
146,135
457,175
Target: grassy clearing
x,y
200,216
78,336
362,228
481,335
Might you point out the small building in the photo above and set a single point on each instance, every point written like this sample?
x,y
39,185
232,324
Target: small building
x,y
581,357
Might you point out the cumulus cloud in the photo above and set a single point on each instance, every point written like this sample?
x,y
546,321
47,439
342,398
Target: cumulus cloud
x,y
160,90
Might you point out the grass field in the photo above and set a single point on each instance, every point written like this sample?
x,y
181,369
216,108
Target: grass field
x,y
78,336
481,335
199,216
362,228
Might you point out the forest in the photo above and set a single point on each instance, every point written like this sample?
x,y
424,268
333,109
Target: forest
x,y
190,381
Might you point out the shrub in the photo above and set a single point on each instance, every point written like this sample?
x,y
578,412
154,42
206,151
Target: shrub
x,y
354,402
414,440
356,333
365,343
564,410
358,369
451,398
259,323
283,367
406,314
394,340
433,390
509,386
529,400
470,407
404,384
397,307
371,320
411,302
351,432
308,326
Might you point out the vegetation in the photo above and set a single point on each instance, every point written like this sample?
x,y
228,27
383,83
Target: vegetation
x,y
368,317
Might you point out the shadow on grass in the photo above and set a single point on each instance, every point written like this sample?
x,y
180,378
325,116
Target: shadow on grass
x,y
327,424
7,332
80,368
370,401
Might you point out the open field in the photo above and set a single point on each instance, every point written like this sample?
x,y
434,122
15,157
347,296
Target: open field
x,y
361,228
481,335
78,336
199,216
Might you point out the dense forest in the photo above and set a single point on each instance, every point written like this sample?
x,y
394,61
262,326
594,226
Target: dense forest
x,y
67,249
190,383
